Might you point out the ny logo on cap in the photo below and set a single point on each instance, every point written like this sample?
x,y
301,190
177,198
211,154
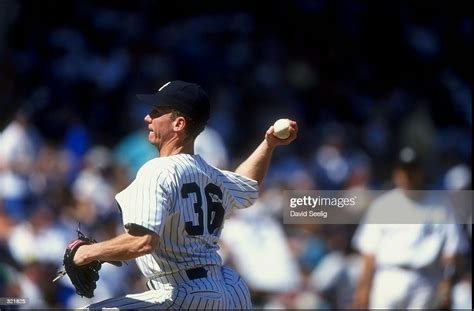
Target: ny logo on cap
x,y
164,86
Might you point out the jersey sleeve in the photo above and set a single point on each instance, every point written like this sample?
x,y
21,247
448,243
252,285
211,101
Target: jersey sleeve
x,y
243,190
146,201
367,238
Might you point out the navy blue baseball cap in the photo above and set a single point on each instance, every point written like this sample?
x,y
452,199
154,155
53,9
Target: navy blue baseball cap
x,y
188,98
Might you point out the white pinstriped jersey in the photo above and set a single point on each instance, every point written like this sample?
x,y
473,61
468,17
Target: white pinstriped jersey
x,y
184,200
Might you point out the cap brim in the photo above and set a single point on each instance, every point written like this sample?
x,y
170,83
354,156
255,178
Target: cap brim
x,y
152,100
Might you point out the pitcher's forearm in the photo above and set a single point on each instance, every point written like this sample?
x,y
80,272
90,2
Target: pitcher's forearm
x,y
256,165
123,247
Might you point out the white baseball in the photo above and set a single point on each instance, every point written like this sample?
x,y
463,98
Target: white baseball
x,y
281,128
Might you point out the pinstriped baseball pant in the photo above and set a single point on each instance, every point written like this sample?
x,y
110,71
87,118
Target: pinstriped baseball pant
x,y
223,288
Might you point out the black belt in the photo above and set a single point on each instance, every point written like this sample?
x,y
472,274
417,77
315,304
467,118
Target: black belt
x,y
196,273
193,274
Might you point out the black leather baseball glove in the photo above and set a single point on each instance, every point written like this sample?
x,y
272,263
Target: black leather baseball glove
x,y
83,277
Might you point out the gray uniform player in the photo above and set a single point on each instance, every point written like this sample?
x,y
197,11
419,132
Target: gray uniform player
x,y
408,266
174,210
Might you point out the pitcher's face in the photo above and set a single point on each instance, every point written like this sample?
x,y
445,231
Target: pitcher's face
x,y
160,125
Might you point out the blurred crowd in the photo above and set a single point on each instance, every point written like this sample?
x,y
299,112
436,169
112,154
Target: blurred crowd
x,y
362,80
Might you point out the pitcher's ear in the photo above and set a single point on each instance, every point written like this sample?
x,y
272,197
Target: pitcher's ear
x,y
179,123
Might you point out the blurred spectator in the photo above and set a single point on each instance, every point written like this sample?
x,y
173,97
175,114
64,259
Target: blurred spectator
x,y
330,164
9,285
50,172
30,282
133,151
418,130
40,238
17,155
335,278
210,146
76,143
93,188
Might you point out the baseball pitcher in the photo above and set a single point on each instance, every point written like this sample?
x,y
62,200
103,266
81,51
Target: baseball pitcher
x,y
173,213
